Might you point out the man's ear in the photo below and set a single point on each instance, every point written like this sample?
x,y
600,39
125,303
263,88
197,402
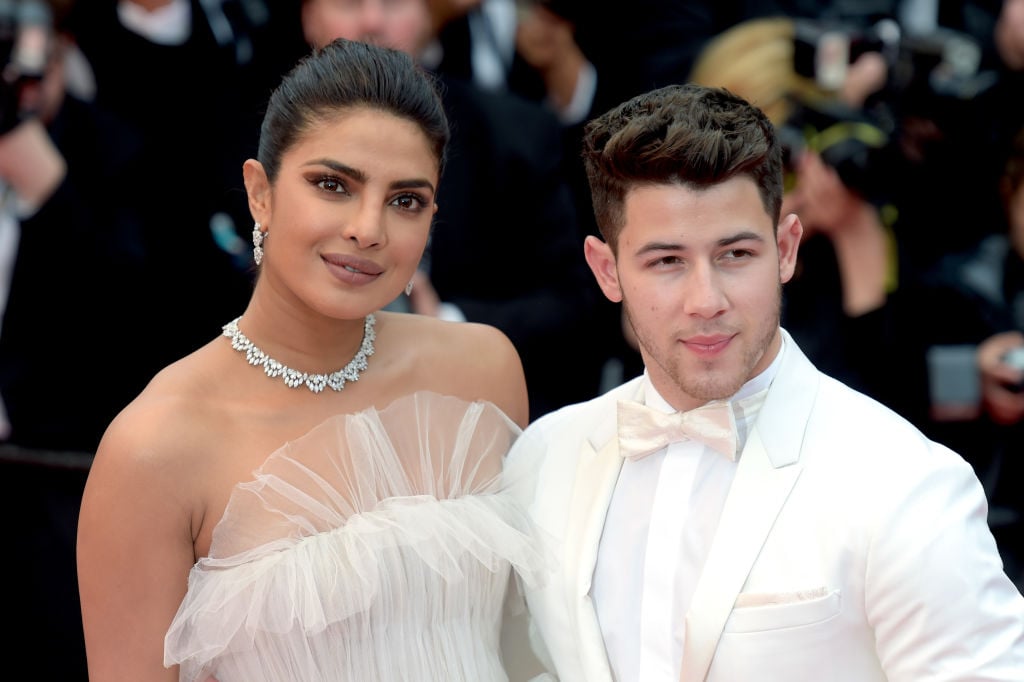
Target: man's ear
x,y
602,263
788,238
257,188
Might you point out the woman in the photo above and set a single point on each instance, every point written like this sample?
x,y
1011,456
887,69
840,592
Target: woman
x,y
341,525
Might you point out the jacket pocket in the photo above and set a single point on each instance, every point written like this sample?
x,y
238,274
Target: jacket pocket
x,y
783,611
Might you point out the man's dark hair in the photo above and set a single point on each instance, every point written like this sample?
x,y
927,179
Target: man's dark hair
x,y
689,135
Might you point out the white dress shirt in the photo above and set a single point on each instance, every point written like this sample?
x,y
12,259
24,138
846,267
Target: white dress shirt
x,y
170,24
657,534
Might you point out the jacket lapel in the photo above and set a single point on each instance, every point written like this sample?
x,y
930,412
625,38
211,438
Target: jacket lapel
x,y
756,496
596,474
767,471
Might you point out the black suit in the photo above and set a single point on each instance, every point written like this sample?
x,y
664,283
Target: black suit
x,y
649,43
72,353
506,247
197,108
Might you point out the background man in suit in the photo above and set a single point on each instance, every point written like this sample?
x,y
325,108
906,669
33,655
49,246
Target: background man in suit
x,y
505,246
733,513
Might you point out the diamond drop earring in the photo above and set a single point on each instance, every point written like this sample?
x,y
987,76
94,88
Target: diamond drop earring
x,y
408,288
257,243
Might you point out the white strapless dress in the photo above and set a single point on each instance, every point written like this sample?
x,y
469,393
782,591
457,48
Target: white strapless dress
x,y
378,546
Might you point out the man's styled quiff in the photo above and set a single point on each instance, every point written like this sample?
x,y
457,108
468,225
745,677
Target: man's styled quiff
x,y
689,135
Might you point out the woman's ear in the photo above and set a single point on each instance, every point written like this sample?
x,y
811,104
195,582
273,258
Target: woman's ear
x,y
602,263
257,188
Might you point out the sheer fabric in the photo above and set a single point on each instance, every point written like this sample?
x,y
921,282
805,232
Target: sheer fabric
x,y
378,546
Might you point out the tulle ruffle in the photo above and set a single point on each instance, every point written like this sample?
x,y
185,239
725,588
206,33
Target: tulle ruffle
x,y
378,546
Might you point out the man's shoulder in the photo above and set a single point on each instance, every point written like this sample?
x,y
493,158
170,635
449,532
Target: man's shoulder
x,y
551,445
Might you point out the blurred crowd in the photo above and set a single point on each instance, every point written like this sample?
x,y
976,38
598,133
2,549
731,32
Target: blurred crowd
x,y
124,231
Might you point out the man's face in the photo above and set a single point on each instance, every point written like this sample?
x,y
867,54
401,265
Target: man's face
x,y
400,24
699,273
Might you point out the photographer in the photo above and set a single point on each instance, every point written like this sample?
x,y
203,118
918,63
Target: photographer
x,y
72,198
979,307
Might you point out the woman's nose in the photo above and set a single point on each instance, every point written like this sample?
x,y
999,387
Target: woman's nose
x,y
366,226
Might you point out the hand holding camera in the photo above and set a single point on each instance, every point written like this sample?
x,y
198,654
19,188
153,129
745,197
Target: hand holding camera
x,y
1000,361
1015,358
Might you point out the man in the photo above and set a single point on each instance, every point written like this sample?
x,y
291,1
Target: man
x,y
814,534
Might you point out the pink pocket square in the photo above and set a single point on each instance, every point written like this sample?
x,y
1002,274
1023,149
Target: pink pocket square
x,y
769,598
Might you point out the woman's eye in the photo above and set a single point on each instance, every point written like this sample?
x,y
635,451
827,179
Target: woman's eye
x,y
409,202
330,184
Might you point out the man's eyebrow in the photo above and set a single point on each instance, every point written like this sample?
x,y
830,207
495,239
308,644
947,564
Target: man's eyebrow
x,y
655,246
740,237
660,246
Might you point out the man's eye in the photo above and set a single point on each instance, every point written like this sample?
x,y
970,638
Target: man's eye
x,y
667,260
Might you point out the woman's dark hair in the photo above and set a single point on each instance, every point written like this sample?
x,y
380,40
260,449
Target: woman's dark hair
x,y
342,75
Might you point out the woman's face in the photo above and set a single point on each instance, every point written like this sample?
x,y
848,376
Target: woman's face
x,y
350,212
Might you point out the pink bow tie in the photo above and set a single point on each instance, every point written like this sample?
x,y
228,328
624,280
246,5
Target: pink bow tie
x,y
643,431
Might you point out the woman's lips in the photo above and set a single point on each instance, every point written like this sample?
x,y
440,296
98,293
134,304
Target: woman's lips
x,y
352,270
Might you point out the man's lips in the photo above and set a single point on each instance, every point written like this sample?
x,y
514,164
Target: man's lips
x,y
707,345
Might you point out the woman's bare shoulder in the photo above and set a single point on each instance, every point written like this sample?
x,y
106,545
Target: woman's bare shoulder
x,y
165,420
158,477
472,360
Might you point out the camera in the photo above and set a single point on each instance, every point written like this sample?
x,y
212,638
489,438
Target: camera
x,y
933,76
942,63
847,139
26,42
1015,358
26,33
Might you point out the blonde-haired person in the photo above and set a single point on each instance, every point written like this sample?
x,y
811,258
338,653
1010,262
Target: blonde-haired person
x,y
319,493
756,59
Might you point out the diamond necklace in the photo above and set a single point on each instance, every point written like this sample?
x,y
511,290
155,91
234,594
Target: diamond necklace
x,y
294,378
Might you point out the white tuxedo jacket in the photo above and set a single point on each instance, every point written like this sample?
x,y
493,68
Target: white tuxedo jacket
x,y
850,548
